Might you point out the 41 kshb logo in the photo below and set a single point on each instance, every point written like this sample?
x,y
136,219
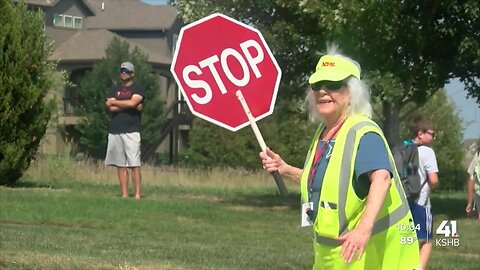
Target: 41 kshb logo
x,y
448,229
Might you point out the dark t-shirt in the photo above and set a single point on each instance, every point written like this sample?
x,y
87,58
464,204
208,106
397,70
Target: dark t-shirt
x,y
127,120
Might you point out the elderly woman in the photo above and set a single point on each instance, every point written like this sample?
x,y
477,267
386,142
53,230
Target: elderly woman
x,y
349,184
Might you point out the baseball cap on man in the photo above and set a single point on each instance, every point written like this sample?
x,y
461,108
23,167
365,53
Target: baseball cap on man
x,y
334,68
128,66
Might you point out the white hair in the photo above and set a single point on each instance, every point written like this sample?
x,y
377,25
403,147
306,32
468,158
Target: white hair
x,y
358,91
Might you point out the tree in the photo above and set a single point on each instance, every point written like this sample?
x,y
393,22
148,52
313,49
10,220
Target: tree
x,y
93,90
416,46
25,78
408,49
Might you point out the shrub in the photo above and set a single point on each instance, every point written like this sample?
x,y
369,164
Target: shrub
x,y
24,81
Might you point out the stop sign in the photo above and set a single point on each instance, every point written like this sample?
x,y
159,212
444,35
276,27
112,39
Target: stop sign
x,y
217,56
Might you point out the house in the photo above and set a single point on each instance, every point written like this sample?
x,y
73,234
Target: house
x,y
80,32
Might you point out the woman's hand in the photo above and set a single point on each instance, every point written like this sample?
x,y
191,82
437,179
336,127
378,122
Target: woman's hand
x,y
354,242
273,162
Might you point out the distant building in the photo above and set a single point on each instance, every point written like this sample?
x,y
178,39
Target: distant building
x,y
81,31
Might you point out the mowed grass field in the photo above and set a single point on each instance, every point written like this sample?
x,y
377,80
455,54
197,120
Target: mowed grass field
x,y
73,218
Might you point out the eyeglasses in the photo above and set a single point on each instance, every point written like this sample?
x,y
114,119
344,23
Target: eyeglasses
x,y
328,85
432,133
123,71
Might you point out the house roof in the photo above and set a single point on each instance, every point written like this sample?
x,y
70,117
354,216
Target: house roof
x,y
131,15
90,45
51,3
39,2
468,143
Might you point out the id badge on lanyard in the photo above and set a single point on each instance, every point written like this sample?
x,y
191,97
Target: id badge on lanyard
x,y
306,209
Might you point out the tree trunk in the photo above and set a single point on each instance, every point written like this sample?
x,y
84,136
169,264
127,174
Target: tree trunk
x,y
391,114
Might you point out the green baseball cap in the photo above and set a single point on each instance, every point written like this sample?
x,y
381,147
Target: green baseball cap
x,y
334,68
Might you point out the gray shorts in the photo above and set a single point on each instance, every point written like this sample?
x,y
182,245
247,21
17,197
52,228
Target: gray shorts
x,y
123,150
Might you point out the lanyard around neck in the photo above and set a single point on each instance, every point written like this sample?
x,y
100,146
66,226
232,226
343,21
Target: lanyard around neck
x,y
319,153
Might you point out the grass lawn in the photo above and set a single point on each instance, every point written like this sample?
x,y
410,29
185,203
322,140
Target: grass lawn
x,y
85,225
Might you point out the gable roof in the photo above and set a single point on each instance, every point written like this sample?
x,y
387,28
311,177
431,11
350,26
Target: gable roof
x,y
90,45
51,3
131,15
40,2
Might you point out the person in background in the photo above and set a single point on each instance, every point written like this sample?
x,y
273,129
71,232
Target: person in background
x,y
350,190
473,183
423,131
125,103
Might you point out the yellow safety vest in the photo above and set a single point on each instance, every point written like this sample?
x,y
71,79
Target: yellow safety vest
x,y
393,243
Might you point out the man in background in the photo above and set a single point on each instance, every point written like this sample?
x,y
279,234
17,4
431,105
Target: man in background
x,y
125,103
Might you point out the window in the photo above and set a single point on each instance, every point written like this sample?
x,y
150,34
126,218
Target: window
x,y
77,22
67,21
57,20
174,42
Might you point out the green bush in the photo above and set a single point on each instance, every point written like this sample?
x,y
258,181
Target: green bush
x,y
24,81
287,132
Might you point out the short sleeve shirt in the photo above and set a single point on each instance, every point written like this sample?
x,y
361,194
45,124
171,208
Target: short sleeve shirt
x,y
128,120
372,155
428,164
471,172
473,163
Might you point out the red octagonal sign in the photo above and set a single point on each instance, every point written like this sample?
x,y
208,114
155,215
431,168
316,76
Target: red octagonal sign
x,y
217,56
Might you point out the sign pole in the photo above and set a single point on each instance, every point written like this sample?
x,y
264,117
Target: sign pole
x,y
276,175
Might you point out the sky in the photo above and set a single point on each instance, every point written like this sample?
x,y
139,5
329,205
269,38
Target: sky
x,y
467,109
155,2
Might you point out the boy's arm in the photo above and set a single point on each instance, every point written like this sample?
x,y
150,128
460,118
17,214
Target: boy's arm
x,y
470,189
431,168
433,179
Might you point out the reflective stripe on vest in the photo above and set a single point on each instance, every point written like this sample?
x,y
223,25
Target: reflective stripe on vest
x,y
344,180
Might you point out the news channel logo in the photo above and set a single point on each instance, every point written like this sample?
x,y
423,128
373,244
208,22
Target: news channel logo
x,y
449,234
